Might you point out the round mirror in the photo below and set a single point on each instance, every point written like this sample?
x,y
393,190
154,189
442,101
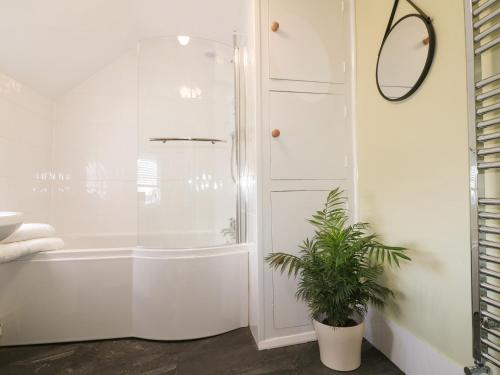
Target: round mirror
x,y
405,57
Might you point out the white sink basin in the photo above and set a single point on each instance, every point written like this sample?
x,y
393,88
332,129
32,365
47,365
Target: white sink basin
x,y
9,222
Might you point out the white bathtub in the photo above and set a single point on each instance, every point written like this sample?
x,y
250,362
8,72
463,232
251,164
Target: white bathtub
x,y
74,295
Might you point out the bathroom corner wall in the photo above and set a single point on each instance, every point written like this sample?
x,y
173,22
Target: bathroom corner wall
x,y
413,184
25,144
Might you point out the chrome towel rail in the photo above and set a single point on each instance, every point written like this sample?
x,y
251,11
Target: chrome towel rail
x,y
491,345
488,137
180,139
486,123
490,302
483,7
488,94
487,46
488,151
490,287
491,230
488,272
487,81
486,19
489,201
492,332
490,165
492,244
486,32
489,258
483,35
489,215
492,360
491,316
489,108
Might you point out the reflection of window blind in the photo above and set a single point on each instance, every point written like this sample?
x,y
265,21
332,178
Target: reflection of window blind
x,y
147,181
147,173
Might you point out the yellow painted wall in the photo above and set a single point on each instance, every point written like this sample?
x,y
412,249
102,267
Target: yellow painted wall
x,y
413,177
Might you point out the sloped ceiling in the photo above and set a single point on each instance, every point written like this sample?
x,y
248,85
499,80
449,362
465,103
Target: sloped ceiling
x,y
52,45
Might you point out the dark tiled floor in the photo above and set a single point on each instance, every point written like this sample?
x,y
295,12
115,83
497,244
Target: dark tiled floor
x,y
228,354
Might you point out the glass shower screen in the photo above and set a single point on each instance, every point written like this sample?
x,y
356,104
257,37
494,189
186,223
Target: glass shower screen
x,y
186,172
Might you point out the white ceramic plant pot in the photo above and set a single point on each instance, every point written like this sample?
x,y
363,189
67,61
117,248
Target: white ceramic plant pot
x,y
339,347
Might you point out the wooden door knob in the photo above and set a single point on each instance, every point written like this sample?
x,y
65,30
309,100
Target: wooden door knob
x,y
275,26
275,133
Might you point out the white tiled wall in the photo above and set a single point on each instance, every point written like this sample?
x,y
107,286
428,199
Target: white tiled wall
x,y
95,153
25,144
72,161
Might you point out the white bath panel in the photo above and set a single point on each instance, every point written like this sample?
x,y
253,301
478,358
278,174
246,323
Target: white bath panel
x,y
189,297
76,295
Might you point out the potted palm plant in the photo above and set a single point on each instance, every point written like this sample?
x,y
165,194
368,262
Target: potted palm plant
x,y
338,272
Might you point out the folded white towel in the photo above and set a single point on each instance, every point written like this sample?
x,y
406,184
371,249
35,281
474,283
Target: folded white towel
x,y
15,250
30,232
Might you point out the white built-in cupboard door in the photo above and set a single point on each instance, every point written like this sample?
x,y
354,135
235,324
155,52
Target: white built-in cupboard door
x,y
290,209
313,136
309,41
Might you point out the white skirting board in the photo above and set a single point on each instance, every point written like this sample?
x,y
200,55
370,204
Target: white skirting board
x,y
412,355
277,342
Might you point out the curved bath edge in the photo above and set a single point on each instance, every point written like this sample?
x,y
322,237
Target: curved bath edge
x,y
134,252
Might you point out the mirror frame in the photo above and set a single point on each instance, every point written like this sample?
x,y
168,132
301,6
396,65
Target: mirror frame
x,y
430,54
